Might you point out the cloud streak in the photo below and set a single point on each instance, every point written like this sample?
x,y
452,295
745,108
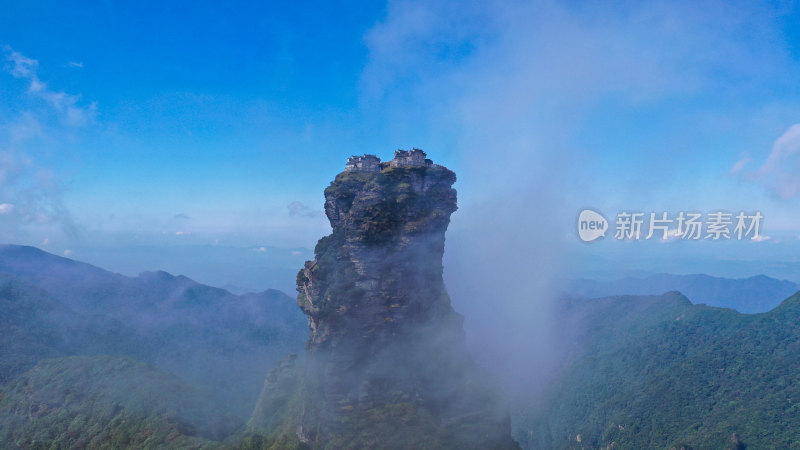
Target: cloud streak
x,y
67,106
300,209
779,173
31,195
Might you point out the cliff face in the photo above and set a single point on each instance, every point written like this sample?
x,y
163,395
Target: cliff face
x,y
380,271
386,361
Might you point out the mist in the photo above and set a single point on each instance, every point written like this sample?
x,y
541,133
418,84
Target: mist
x,y
520,88
212,177
219,343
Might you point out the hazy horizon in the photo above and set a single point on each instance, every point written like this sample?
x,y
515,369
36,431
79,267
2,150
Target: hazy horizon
x,y
164,129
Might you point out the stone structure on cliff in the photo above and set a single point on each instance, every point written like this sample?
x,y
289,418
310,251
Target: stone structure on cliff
x,y
366,163
386,363
402,158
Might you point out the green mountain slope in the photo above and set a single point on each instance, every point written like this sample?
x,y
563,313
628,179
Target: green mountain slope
x,y
53,306
107,402
27,322
657,372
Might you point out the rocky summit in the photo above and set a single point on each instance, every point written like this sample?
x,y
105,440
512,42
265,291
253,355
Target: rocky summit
x,y
386,365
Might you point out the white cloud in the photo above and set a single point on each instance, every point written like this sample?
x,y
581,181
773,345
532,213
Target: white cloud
x,y
511,84
780,173
302,210
760,238
34,125
739,165
67,252
21,66
32,196
528,51
68,106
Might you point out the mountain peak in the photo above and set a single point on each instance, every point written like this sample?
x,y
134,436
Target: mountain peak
x,y
382,329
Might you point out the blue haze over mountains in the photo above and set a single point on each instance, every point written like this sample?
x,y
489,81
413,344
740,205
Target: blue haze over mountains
x,y
755,294
54,306
215,348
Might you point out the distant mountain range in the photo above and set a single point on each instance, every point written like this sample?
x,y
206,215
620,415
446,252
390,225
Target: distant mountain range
x,y
52,306
94,359
747,295
253,267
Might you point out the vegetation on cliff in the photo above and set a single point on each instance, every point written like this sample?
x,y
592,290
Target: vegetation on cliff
x,y
386,364
659,372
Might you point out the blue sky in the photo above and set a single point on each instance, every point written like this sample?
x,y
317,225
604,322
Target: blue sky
x,y
153,125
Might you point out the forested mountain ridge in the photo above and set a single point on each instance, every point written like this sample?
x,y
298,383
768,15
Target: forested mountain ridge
x,y
659,372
